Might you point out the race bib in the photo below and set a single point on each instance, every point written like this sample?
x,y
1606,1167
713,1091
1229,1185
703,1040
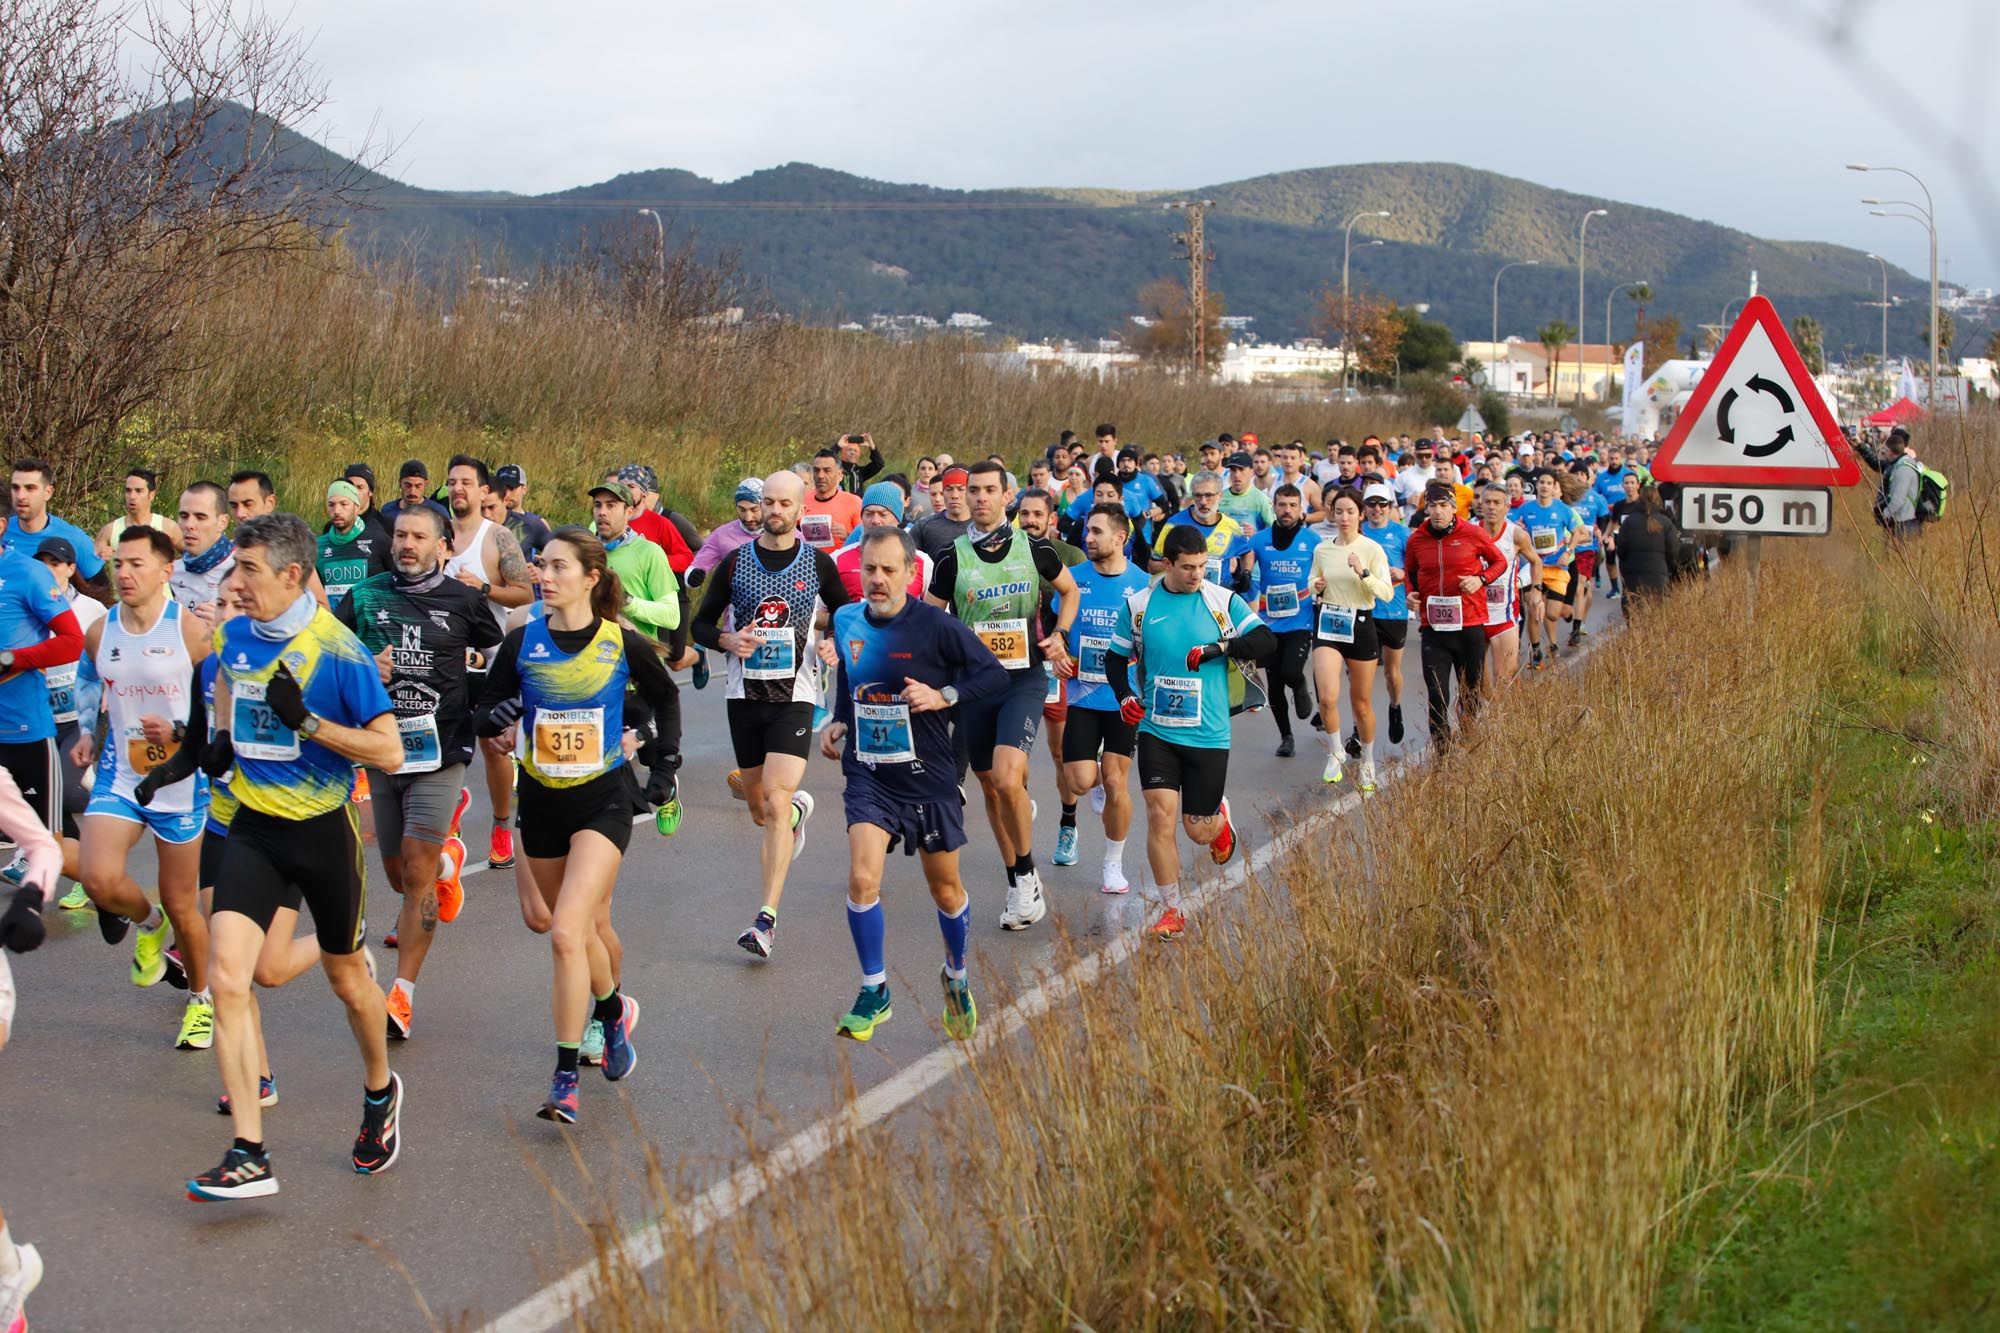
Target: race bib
x,y
1336,623
1500,600
569,742
1054,693
1215,569
816,529
882,734
254,729
1544,539
1282,599
1090,659
1176,701
143,756
1006,640
336,592
776,655
62,691
1444,613
421,751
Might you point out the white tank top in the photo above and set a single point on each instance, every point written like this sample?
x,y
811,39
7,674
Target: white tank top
x,y
1507,612
144,675
469,560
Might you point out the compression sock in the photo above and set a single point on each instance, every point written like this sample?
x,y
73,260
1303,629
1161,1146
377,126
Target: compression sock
x,y
1024,866
1069,814
608,1009
868,927
251,1146
566,1052
956,927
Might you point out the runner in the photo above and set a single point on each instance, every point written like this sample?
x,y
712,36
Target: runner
x,y
349,550
935,535
557,695
420,627
1177,632
881,507
1283,554
207,553
1036,517
1350,574
413,481
145,653
1503,602
31,524
485,557
652,594
992,582
1242,500
142,485
1228,545
1555,529
531,530
902,667
40,632
829,513
252,495
1451,563
726,538
362,478
776,589
1097,740
1592,508
22,931
298,704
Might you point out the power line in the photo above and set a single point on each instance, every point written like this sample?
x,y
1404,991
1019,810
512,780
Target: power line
x,y
723,205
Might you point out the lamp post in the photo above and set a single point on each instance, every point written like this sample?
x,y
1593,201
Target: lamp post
x,y
1519,263
1582,228
1637,282
1347,254
649,213
1930,224
1883,364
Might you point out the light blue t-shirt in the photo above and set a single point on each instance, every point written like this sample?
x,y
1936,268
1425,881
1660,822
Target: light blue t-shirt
x,y
1102,599
88,562
1183,707
1393,538
29,601
1547,526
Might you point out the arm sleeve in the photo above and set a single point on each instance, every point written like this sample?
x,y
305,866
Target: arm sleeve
x,y
944,576
64,644
1253,644
1048,561
503,682
707,628
656,686
707,557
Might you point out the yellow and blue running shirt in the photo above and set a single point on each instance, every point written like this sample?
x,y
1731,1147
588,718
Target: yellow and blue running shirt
x,y
278,772
572,704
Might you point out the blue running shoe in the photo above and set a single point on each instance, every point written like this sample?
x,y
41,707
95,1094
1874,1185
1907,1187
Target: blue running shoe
x,y
561,1105
267,1094
1065,846
871,1010
619,1057
698,676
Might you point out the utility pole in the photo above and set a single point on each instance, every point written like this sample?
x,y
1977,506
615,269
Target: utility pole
x,y
1194,240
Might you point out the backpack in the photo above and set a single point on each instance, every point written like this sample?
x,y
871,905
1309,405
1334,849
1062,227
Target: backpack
x,y
1933,493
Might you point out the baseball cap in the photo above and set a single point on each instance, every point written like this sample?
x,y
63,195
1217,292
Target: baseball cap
x,y
414,468
1378,491
1239,459
510,476
619,490
56,551
361,470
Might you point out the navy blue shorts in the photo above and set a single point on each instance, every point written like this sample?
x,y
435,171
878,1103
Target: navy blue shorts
x,y
1011,718
921,826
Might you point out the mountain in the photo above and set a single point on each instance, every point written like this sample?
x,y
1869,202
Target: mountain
x,y
1069,262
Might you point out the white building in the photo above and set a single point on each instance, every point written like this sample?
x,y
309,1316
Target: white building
x,y
1263,363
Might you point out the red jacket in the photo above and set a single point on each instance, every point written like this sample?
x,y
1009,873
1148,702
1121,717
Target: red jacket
x,y
1436,563
656,528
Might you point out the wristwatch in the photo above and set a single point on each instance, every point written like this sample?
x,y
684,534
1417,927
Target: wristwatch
x,y
310,727
485,589
7,660
950,696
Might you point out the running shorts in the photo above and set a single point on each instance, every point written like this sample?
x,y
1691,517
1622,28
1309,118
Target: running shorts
x,y
270,863
1196,772
213,840
1392,634
1568,594
414,805
178,829
1091,730
1011,718
1495,629
922,826
37,771
1586,564
1366,646
759,729
548,817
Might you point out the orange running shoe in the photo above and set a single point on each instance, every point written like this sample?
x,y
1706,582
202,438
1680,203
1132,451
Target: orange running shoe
x,y
1224,845
736,785
1171,925
360,785
450,888
500,849
398,1005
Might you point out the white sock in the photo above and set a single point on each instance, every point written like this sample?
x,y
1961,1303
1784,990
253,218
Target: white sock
x,y
10,1259
153,919
1114,858
408,987
1170,894
201,997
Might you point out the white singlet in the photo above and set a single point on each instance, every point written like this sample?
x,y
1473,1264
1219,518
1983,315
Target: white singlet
x,y
470,560
144,675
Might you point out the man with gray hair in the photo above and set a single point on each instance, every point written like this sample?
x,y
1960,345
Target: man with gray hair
x,y
1228,545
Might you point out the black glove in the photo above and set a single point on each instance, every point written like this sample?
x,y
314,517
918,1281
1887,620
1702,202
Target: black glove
x,y
501,716
1240,584
148,788
285,699
660,785
219,755
21,927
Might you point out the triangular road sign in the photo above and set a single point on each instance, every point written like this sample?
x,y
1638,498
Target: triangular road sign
x,y
1756,418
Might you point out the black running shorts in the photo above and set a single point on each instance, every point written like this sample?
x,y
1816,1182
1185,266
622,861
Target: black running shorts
x,y
1011,718
1196,772
270,863
548,817
758,730
1093,729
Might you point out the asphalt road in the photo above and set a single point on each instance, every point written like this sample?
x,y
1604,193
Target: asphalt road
x,y
107,1119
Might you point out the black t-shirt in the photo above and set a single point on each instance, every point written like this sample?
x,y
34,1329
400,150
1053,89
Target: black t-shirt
x,y
427,634
935,534
992,550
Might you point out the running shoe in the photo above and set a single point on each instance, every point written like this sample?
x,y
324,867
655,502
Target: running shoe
x,y
451,886
458,811
667,815
241,1174
620,1059
148,949
591,1052
803,803
821,716
1025,905
1171,925
380,1141
1286,749
561,1106
761,938
736,787
500,849
1065,853
1367,781
76,900
197,1026
1333,772
961,1015
389,938
1395,724
1535,662
698,673
360,786
397,1003
16,873
1302,704
177,973
1096,799
267,1094
1552,653
870,1011
1579,634
1115,886
1224,845
16,1286
1354,743
1613,595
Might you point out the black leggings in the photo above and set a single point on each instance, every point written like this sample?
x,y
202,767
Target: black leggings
x,y
1448,652
1287,669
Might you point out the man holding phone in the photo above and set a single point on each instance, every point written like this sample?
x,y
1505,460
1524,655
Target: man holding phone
x,y
855,474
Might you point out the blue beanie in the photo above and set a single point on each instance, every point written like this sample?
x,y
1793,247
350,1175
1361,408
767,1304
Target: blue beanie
x,y
887,494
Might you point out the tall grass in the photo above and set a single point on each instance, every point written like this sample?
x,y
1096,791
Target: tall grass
x,y
1457,1064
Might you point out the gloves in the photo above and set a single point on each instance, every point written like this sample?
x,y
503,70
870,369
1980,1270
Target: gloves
x,y
219,756
504,714
285,699
21,927
1133,710
149,787
660,785
1196,656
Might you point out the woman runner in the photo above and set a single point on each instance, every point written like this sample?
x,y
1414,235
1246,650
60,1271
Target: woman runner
x,y
1350,573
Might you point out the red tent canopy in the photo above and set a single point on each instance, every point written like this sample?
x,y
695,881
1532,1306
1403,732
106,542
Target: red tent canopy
x,y
1898,413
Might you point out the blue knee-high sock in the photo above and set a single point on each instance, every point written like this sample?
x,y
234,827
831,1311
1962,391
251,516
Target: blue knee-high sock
x,y
956,927
866,925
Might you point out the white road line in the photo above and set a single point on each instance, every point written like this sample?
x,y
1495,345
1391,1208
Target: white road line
x,y
554,1304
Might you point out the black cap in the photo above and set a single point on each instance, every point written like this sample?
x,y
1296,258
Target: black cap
x,y
414,468
1239,459
510,476
56,551
361,470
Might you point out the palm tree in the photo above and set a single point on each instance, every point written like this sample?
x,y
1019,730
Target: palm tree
x,y
1640,295
1811,341
1555,335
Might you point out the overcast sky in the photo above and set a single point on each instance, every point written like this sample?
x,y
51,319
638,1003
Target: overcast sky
x,y
1723,109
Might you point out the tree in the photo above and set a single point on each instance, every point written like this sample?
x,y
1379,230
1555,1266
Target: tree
x,y
1425,346
1641,296
1160,332
1554,336
1810,339
1471,368
128,201
1993,347
1370,325
1662,337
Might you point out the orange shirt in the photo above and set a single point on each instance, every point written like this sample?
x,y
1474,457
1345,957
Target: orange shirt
x,y
826,523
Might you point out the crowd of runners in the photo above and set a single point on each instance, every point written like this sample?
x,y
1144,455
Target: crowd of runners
x,y
239,686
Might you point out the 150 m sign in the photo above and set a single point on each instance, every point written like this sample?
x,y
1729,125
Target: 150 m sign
x,y
1765,511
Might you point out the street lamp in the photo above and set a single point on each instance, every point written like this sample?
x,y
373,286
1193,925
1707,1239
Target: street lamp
x,y
649,213
1519,263
1930,224
1581,229
1346,254
1637,282
1884,364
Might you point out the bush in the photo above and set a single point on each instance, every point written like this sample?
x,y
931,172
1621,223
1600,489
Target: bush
x,y
1437,400
1493,406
